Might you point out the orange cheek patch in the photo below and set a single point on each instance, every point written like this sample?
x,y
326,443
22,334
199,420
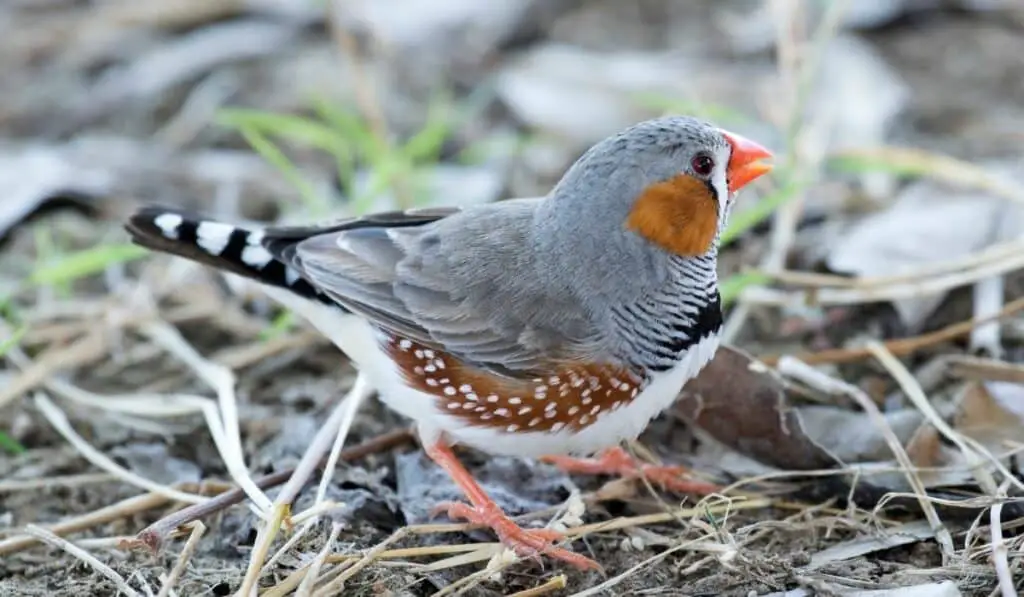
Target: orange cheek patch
x,y
679,215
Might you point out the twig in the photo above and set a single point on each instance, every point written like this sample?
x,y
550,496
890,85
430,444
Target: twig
x,y
222,381
335,586
980,369
186,554
999,550
313,570
59,421
120,510
988,300
804,372
554,584
153,535
994,253
12,485
761,295
901,346
83,351
913,391
73,550
336,428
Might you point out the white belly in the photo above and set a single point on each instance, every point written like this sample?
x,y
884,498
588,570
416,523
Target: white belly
x,y
362,344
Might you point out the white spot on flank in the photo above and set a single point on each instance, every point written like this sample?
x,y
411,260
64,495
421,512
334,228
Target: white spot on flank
x,y
453,405
439,363
533,422
512,428
501,412
525,410
558,426
584,419
596,409
514,401
573,410
428,353
551,407
432,382
449,391
445,380
550,414
492,398
471,397
257,257
540,390
467,405
418,353
430,368
405,345
465,388
168,224
417,370
213,236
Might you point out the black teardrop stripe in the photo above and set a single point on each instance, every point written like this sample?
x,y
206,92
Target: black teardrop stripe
x,y
705,323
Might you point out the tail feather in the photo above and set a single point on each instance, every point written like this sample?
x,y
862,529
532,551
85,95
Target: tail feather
x,y
219,245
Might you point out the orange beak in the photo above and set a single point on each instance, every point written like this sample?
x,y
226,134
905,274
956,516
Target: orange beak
x,y
745,165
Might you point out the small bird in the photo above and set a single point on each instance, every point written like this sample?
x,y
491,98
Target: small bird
x,y
553,327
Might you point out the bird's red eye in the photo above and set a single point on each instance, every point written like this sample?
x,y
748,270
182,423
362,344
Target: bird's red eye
x,y
702,165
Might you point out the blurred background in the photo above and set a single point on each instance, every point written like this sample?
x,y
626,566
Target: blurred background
x,y
283,110
896,207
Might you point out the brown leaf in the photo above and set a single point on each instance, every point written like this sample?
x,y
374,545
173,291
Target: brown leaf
x,y
742,403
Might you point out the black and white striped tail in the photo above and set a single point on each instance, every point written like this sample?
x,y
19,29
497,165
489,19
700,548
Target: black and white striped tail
x,y
216,244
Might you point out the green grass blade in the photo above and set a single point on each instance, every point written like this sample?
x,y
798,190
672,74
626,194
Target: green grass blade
x,y
731,287
81,264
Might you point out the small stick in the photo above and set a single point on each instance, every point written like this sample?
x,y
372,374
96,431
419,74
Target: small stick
x,y
122,509
999,550
553,584
73,550
313,571
900,346
800,370
186,554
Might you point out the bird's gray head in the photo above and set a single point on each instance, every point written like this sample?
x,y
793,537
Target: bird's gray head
x,y
667,181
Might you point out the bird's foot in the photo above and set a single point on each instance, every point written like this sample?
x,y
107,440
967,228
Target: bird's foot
x,y
617,462
526,543
484,511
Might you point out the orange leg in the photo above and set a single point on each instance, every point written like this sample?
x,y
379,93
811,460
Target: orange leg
x,y
483,511
616,461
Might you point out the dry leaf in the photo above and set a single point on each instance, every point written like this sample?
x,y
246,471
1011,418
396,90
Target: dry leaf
x,y
925,226
742,403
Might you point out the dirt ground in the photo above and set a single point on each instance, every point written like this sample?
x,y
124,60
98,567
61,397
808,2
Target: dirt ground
x,y
955,107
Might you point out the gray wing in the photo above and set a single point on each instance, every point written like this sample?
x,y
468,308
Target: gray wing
x,y
446,280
